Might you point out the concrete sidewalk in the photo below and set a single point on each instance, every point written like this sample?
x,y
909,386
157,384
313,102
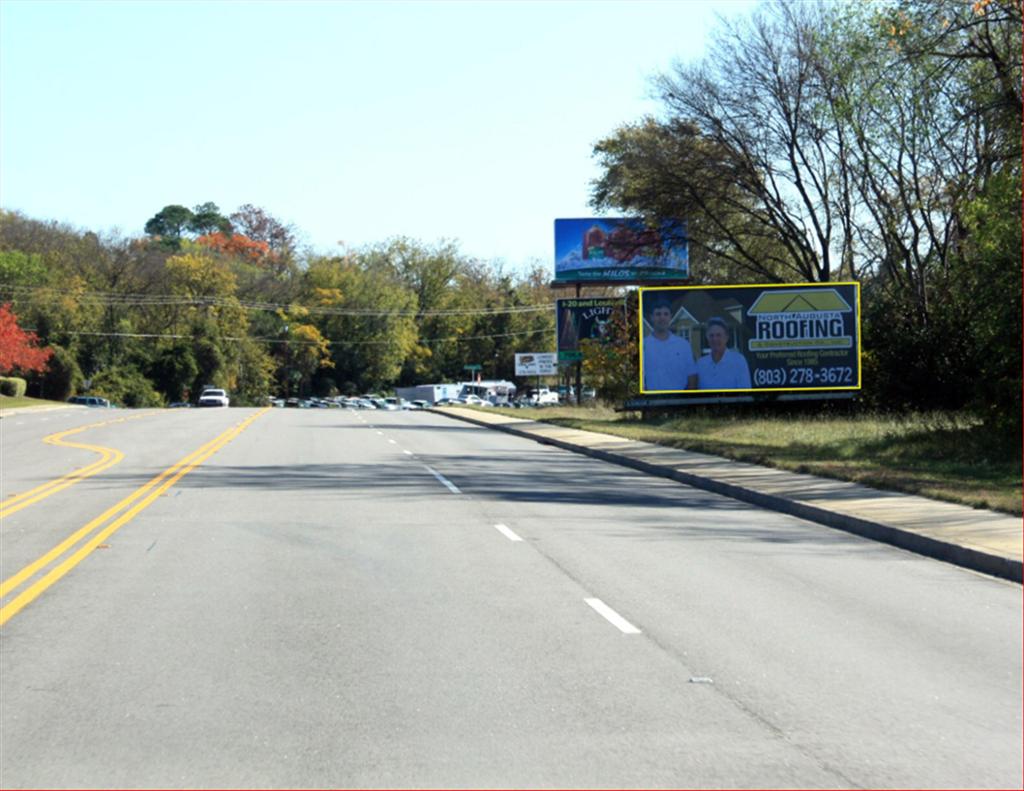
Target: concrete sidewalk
x,y
984,541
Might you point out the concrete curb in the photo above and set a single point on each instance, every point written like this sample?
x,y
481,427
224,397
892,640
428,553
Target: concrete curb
x,y
965,557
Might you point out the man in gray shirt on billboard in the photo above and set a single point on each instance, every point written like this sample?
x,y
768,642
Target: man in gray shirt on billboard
x,y
667,358
722,368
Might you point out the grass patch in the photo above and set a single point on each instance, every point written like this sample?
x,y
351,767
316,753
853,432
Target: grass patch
x,y
945,456
9,402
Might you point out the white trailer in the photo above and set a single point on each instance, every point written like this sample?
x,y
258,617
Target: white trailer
x,y
429,393
497,391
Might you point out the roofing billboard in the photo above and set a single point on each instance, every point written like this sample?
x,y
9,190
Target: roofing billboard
x,y
750,338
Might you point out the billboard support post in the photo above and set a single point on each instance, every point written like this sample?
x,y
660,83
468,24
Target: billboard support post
x,y
579,368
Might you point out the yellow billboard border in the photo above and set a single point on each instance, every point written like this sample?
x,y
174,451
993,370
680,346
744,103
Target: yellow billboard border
x,y
640,337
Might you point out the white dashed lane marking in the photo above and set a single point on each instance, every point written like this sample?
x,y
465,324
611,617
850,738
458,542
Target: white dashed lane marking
x,y
450,486
612,617
503,529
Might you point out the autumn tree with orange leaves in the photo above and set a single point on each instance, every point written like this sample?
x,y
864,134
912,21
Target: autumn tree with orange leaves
x,y
235,245
18,349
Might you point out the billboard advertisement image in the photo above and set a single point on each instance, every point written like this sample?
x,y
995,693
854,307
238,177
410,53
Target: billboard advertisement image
x,y
619,250
579,319
536,363
750,338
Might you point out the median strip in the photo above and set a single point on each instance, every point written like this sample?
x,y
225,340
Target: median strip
x,y
66,557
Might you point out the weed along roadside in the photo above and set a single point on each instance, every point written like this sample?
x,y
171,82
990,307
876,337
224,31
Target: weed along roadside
x,y
942,455
7,403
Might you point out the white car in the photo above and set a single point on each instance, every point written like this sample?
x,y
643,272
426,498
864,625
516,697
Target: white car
x,y
544,396
214,397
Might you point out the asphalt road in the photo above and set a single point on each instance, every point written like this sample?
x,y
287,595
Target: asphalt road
x,y
327,598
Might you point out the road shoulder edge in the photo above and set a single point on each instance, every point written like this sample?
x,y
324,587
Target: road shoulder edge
x,y
947,551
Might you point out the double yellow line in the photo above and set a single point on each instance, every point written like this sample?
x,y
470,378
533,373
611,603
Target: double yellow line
x,y
108,458
64,557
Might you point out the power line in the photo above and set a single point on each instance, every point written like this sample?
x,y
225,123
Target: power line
x,y
110,299
290,342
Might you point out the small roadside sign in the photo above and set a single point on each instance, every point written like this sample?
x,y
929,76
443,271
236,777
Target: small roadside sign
x,y
537,364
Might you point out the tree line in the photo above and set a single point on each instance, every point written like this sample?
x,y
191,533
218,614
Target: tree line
x,y
231,301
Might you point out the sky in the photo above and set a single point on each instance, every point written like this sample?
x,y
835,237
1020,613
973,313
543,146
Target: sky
x,y
471,122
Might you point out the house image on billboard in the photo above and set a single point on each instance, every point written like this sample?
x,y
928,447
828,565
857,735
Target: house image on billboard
x,y
691,313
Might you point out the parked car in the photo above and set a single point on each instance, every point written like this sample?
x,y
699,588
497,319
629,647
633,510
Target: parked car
x,y
544,396
419,404
473,400
214,397
94,401
179,405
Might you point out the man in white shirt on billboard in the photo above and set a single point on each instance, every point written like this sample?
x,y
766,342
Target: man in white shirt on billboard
x,y
721,368
668,359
